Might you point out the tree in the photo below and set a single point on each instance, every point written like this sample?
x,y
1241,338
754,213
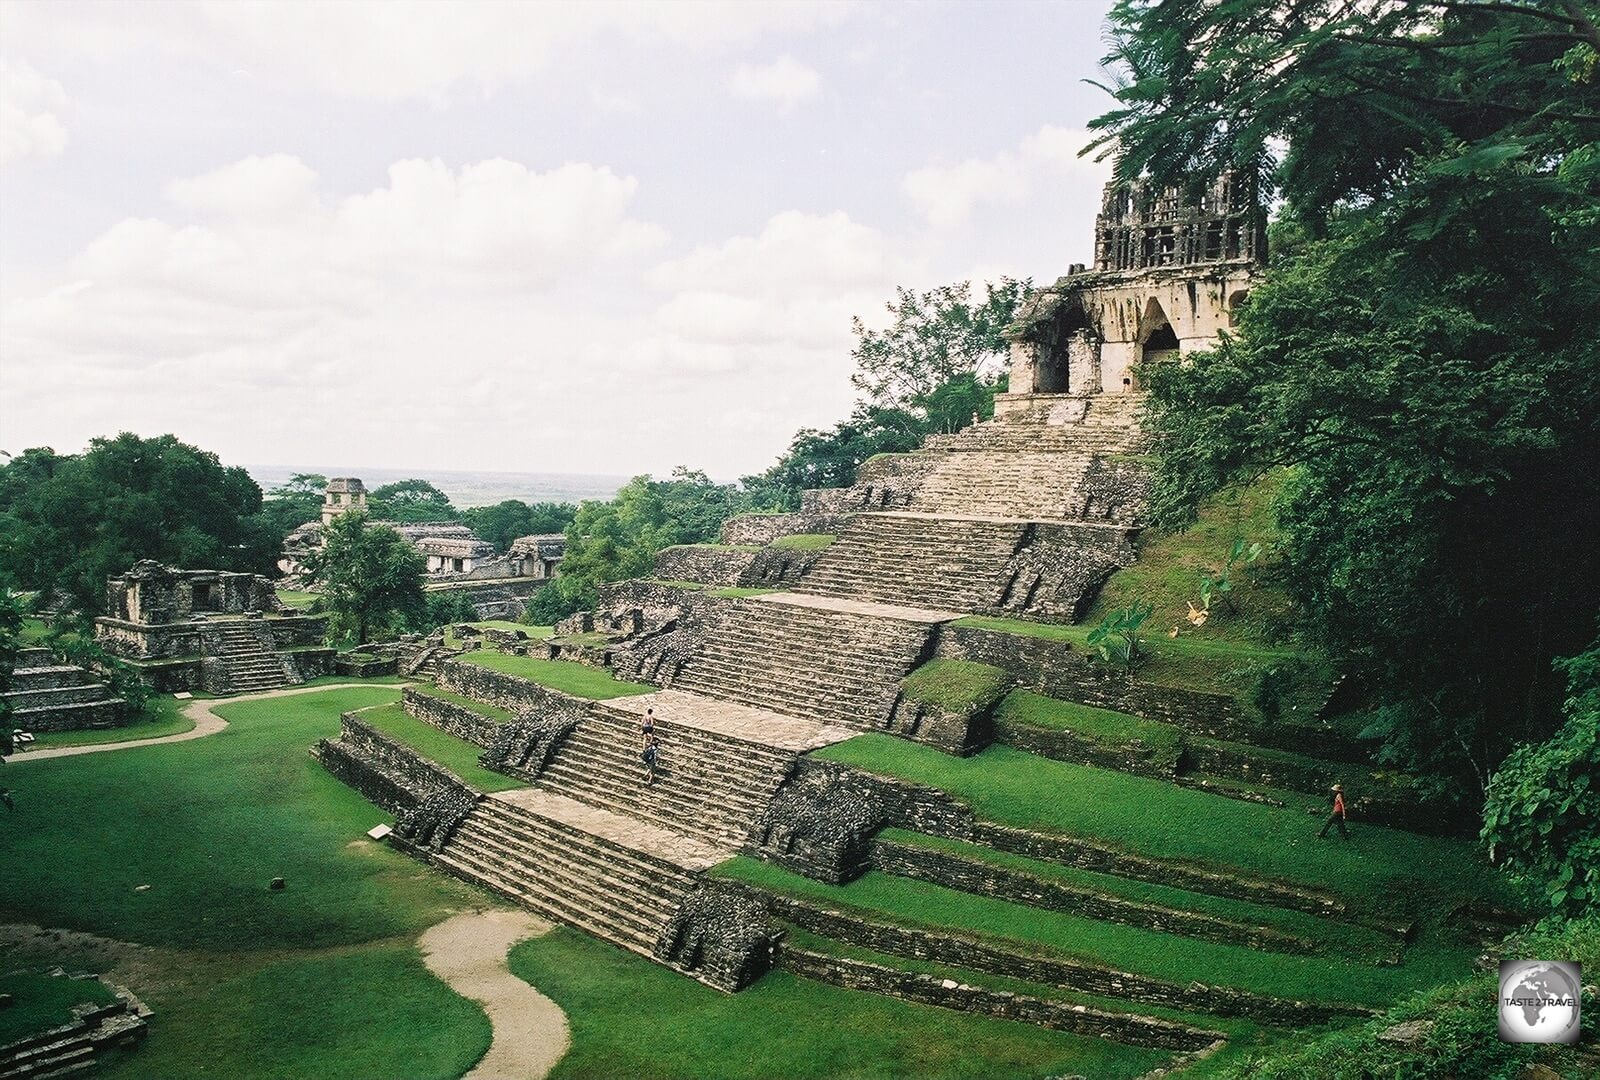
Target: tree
x,y
370,577
1423,362
293,503
830,459
409,501
504,522
69,521
936,337
1541,818
619,539
10,643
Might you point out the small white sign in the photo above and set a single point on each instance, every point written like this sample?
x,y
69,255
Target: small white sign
x,y
378,832
183,695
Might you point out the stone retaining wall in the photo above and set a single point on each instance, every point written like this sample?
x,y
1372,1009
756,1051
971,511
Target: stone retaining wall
x,y
950,994
384,771
974,876
510,691
763,529
450,717
718,566
1067,746
940,947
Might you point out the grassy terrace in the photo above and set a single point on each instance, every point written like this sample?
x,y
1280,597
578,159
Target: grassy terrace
x,y
1155,818
482,708
579,680
905,902
1114,730
1341,937
44,1002
956,685
321,979
296,598
803,542
457,755
632,1018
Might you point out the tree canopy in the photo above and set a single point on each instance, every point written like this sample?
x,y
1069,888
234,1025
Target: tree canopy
x,y
1421,357
370,577
410,501
68,521
503,522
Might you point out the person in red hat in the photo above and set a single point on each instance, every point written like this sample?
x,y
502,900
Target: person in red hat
x,y
1337,816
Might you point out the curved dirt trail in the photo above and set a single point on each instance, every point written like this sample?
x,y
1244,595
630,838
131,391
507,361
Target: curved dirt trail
x,y
468,951
206,723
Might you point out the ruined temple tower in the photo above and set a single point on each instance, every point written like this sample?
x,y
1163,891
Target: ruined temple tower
x,y
1169,274
343,494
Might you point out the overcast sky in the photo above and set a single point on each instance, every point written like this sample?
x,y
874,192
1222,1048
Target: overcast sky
x,y
606,238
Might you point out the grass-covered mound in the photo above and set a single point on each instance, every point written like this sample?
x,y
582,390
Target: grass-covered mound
x,y
630,1017
41,1002
957,686
319,979
579,680
1155,818
457,755
803,542
906,902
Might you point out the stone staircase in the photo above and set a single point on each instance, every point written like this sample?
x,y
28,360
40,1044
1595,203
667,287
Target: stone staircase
x,y
616,877
50,696
961,564
719,763
818,657
249,664
1029,486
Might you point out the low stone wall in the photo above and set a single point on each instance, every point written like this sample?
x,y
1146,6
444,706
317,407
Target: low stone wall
x,y
297,631
762,529
385,772
106,713
364,667
1067,746
447,716
315,663
520,695
719,566
954,871
171,677
779,567
941,947
950,994
140,641
884,482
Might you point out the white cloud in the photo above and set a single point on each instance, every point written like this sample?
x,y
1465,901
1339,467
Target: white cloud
x,y
29,102
255,187
946,195
785,80
395,50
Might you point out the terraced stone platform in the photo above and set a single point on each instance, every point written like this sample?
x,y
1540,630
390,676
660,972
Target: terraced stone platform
x,y
47,695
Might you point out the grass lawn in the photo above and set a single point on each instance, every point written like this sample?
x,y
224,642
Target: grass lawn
x,y
1376,869
34,631
297,598
958,686
903,901
43,1002
162,717
457,755
535,633
735,592
579,680
631,1018
803,542
321,979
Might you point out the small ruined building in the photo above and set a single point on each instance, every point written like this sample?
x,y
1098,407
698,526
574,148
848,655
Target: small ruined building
x,y
49,695
1169,275
458,559
209,630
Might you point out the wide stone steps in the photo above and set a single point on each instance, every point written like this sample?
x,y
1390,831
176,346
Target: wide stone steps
x,y
251,666
1030,486
47,677
955,563
83,694
559,869
810,661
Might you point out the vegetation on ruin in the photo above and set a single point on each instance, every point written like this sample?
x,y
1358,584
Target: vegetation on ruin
x,y
630,1017
1160,744
1462,1039
1419,356
803,542
957,686
322,978
457,755
1377,867
41,1001
567,676
493,712
901,901
69,521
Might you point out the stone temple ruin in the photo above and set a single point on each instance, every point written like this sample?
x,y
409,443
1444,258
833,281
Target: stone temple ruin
x,y
209,630
1026,515
458,560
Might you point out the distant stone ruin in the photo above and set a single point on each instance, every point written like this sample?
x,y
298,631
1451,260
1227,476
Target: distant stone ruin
x,y
209,630
458,559
1169,275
